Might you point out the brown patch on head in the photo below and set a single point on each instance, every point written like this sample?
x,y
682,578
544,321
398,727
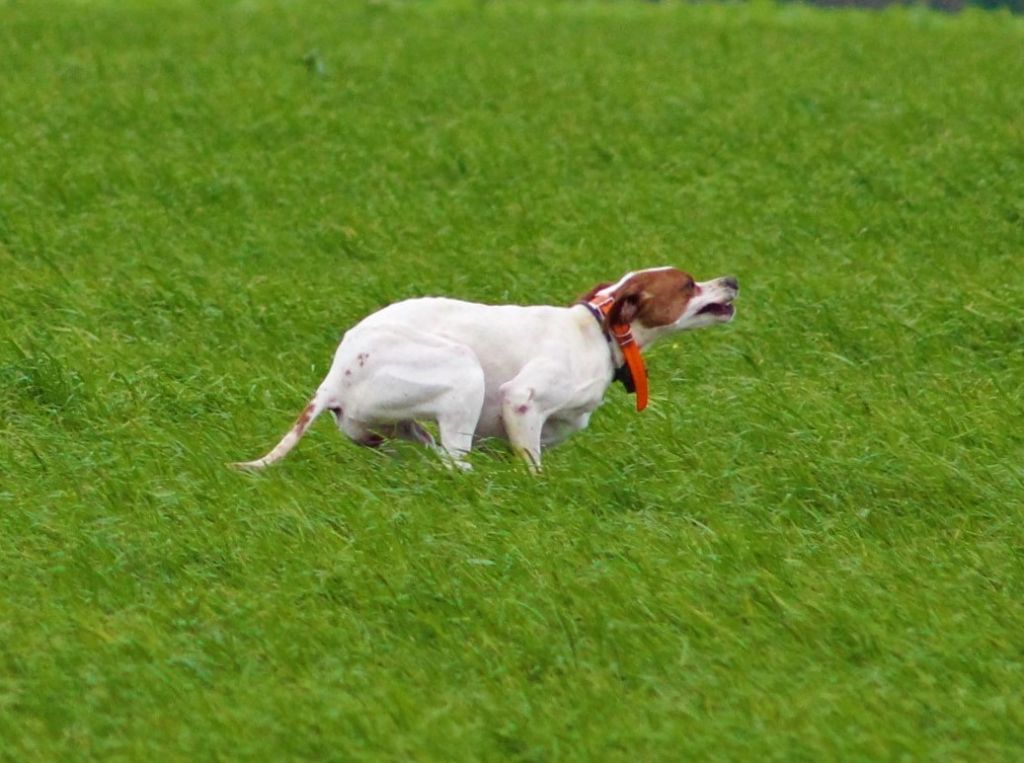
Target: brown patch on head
x,y
652,297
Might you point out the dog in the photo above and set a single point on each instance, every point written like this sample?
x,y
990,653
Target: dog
x,y
531,375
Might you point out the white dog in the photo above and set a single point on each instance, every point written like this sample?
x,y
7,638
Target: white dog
x,y
531,375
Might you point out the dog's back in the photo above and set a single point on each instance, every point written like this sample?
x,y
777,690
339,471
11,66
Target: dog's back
x,y
515,333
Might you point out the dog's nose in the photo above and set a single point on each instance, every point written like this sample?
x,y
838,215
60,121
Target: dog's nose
x,y
731,282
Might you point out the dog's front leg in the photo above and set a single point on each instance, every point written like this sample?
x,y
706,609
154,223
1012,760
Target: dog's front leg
x,y
527,401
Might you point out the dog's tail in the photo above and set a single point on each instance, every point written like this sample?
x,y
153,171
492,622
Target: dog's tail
x,y
316,406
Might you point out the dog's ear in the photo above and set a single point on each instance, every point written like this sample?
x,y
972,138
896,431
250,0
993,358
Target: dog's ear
x,y
626,306
592,293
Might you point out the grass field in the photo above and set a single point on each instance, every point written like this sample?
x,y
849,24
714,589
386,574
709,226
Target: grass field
x,y
810,547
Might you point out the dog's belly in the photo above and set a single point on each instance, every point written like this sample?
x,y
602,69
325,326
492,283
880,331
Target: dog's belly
x,y
557,428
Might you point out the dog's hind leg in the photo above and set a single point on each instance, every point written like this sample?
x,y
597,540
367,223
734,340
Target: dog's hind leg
x,y
397,376
458,415
456,410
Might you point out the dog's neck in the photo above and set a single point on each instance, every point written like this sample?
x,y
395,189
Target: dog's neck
x,y
625,350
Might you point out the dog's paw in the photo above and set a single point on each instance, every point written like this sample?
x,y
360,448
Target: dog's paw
x,y
457,464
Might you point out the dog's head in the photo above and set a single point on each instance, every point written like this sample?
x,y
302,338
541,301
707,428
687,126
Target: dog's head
x,y
661,301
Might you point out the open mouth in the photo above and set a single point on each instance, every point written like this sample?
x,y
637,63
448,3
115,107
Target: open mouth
x,y
718,309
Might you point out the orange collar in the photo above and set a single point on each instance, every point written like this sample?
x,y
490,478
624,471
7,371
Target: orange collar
x,y
635,377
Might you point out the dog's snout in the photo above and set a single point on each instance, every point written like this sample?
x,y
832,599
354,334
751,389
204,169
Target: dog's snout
x,y
730,282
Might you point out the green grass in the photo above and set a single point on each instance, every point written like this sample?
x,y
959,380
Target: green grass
x,y
810,547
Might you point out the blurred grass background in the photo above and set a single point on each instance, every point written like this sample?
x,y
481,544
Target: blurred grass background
x,y
809,547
